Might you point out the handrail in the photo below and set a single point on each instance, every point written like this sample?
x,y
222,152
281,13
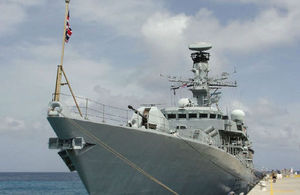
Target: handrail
x,y
94,101
107,112
95,110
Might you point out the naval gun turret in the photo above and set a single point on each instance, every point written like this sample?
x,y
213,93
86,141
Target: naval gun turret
x,y
148,117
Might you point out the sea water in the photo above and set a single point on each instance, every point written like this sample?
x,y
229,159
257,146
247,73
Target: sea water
x,y
41,183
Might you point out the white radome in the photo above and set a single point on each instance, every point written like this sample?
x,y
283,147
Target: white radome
x,y
183,102
200,46
238,115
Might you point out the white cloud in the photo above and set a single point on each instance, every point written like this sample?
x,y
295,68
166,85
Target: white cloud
x,y
11,124
24,3
269,28
266,109
126,16
273,129
235,104
165,31
291,4
10,15
270,123
14,12
163,39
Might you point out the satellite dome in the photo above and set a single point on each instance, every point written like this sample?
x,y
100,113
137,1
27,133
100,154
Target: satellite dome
x,y
183,102
237,115
200,46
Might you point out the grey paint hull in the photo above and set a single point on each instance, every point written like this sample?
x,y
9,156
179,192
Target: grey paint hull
x,y
184,166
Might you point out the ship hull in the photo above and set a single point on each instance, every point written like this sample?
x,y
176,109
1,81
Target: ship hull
x,y
183,165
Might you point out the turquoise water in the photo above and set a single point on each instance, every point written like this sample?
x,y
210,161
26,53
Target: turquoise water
x,y
41,183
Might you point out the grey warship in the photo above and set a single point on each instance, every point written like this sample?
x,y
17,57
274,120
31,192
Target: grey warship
x,y
191,148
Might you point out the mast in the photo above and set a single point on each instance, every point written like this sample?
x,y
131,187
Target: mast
x,y
201,84
59,67
60,70
200,88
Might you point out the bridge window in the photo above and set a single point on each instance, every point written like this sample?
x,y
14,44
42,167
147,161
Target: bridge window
x,y
181,115
219,116
171,116
212,116
193,115
203,115
180,127
225,117
239,127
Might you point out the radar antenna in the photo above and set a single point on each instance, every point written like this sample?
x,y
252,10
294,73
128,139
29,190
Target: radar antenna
x,y
201,85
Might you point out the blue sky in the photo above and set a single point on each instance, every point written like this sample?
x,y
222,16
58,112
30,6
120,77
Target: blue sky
x,y
118,50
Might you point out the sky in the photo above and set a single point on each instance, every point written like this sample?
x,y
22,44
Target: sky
x,y
118,51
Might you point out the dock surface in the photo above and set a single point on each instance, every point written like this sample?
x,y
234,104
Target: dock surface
x,y
285,186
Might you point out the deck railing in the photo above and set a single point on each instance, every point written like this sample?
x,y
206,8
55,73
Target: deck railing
x,y
95,111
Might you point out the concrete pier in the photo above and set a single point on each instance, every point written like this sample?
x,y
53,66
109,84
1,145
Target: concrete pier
x,y
285,186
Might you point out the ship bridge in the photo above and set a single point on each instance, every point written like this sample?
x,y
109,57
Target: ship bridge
x,y
195,117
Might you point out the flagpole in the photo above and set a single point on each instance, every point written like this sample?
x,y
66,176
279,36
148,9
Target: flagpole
x,y
59,67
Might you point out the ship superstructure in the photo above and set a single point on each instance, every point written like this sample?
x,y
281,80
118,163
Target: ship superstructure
x,y
200,120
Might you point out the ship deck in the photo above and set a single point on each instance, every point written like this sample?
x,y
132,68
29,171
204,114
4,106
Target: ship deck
x,y
285,186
